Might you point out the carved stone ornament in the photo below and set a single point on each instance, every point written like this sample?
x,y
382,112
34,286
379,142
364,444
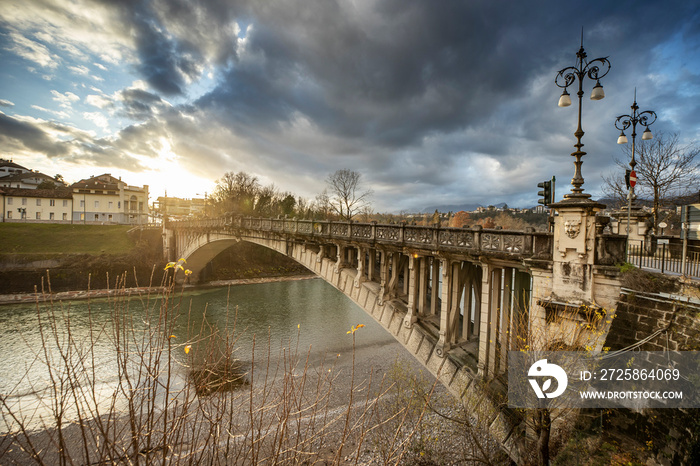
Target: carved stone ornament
x,y
572,228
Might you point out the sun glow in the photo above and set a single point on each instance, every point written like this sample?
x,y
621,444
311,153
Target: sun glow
x,y
165,175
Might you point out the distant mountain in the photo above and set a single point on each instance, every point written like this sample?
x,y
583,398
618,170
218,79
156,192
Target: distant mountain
x,y
457,207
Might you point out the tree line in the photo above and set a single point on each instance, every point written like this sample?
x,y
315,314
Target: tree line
x,y
344,198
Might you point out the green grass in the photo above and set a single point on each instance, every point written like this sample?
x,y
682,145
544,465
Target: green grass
x,y
49,238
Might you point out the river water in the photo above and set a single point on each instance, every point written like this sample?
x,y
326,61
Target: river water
x,y
310,313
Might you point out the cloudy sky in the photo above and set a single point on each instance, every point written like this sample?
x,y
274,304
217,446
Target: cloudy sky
x,y
434,102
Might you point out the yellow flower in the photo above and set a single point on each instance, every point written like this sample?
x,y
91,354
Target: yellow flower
x,y
172,336
187,349
188,272
354,328
169,265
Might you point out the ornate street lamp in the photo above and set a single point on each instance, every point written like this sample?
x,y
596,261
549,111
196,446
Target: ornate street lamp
x,y
595,70
645,118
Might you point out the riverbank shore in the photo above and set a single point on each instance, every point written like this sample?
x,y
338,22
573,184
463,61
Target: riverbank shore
x,y
41,297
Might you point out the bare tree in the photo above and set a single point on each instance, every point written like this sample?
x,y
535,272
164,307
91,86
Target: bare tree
x,y
236,192
346,196
665,169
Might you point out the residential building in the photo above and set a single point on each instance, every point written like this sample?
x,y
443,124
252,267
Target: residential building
x,y
106,199
37,205
8,168
28,180
175,207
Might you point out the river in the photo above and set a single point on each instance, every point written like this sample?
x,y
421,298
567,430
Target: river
x,y
309,315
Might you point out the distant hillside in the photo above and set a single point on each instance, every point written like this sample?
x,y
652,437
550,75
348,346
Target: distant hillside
x,y
457,207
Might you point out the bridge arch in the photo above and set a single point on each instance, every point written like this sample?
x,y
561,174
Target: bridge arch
x,y
413,280
438,305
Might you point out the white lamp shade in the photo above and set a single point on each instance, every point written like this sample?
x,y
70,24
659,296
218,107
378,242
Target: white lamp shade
x,y
622,139
565,99
646,135
597,92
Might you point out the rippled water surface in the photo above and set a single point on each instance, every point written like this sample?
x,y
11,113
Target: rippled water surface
x,y
312,309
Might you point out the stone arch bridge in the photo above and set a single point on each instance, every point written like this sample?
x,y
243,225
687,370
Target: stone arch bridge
x,y
452,296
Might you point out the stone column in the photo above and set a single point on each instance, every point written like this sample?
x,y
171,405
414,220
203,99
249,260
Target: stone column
x,y
504,336
360,277
423,286
443,344
372,262
467,329
434,286
383,275
339,260
411,313
484,298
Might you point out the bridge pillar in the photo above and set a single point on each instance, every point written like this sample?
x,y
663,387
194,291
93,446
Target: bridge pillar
x,y
506,317
443,344
413,291
422,299
435,286
360,277
372,253
490,315
383,275
339,258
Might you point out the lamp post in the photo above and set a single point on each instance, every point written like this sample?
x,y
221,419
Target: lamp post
x,y
645,118
595,70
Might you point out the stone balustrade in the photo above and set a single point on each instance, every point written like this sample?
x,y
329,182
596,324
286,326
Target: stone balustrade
x,y
474,240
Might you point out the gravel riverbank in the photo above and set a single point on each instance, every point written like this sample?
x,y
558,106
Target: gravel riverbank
x,y
18,298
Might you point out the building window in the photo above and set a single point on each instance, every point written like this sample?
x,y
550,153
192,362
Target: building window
x,y
110,217
38,202
24,201
38,215
110,204
65,203
65,216
52,202
97,217
82,204
9,214
9,201
97,204
51,216
82,217
140,206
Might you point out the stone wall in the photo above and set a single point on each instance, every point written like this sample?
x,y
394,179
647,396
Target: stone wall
x,y
671,435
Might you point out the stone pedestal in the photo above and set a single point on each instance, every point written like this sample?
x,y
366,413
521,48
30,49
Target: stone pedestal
x,y
574,249
637,223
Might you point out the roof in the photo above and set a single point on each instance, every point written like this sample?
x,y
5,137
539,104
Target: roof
x,y
11,164
22,176
105,181
58,193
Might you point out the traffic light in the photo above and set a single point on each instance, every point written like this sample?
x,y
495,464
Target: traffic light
x,y
627,178
546,193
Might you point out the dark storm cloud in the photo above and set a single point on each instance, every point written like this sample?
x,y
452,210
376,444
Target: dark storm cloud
x,y
140,105
22,135
444,99
73,146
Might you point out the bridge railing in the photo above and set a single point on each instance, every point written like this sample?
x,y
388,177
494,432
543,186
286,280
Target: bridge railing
x,y
474,239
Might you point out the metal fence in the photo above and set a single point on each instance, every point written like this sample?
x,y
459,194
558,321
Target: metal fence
x,y
665,258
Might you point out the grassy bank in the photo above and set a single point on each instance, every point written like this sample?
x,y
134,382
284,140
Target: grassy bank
x,y
51,238
82,256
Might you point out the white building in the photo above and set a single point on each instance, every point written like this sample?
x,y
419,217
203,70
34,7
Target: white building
x,y
8,168
105,199
36,205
